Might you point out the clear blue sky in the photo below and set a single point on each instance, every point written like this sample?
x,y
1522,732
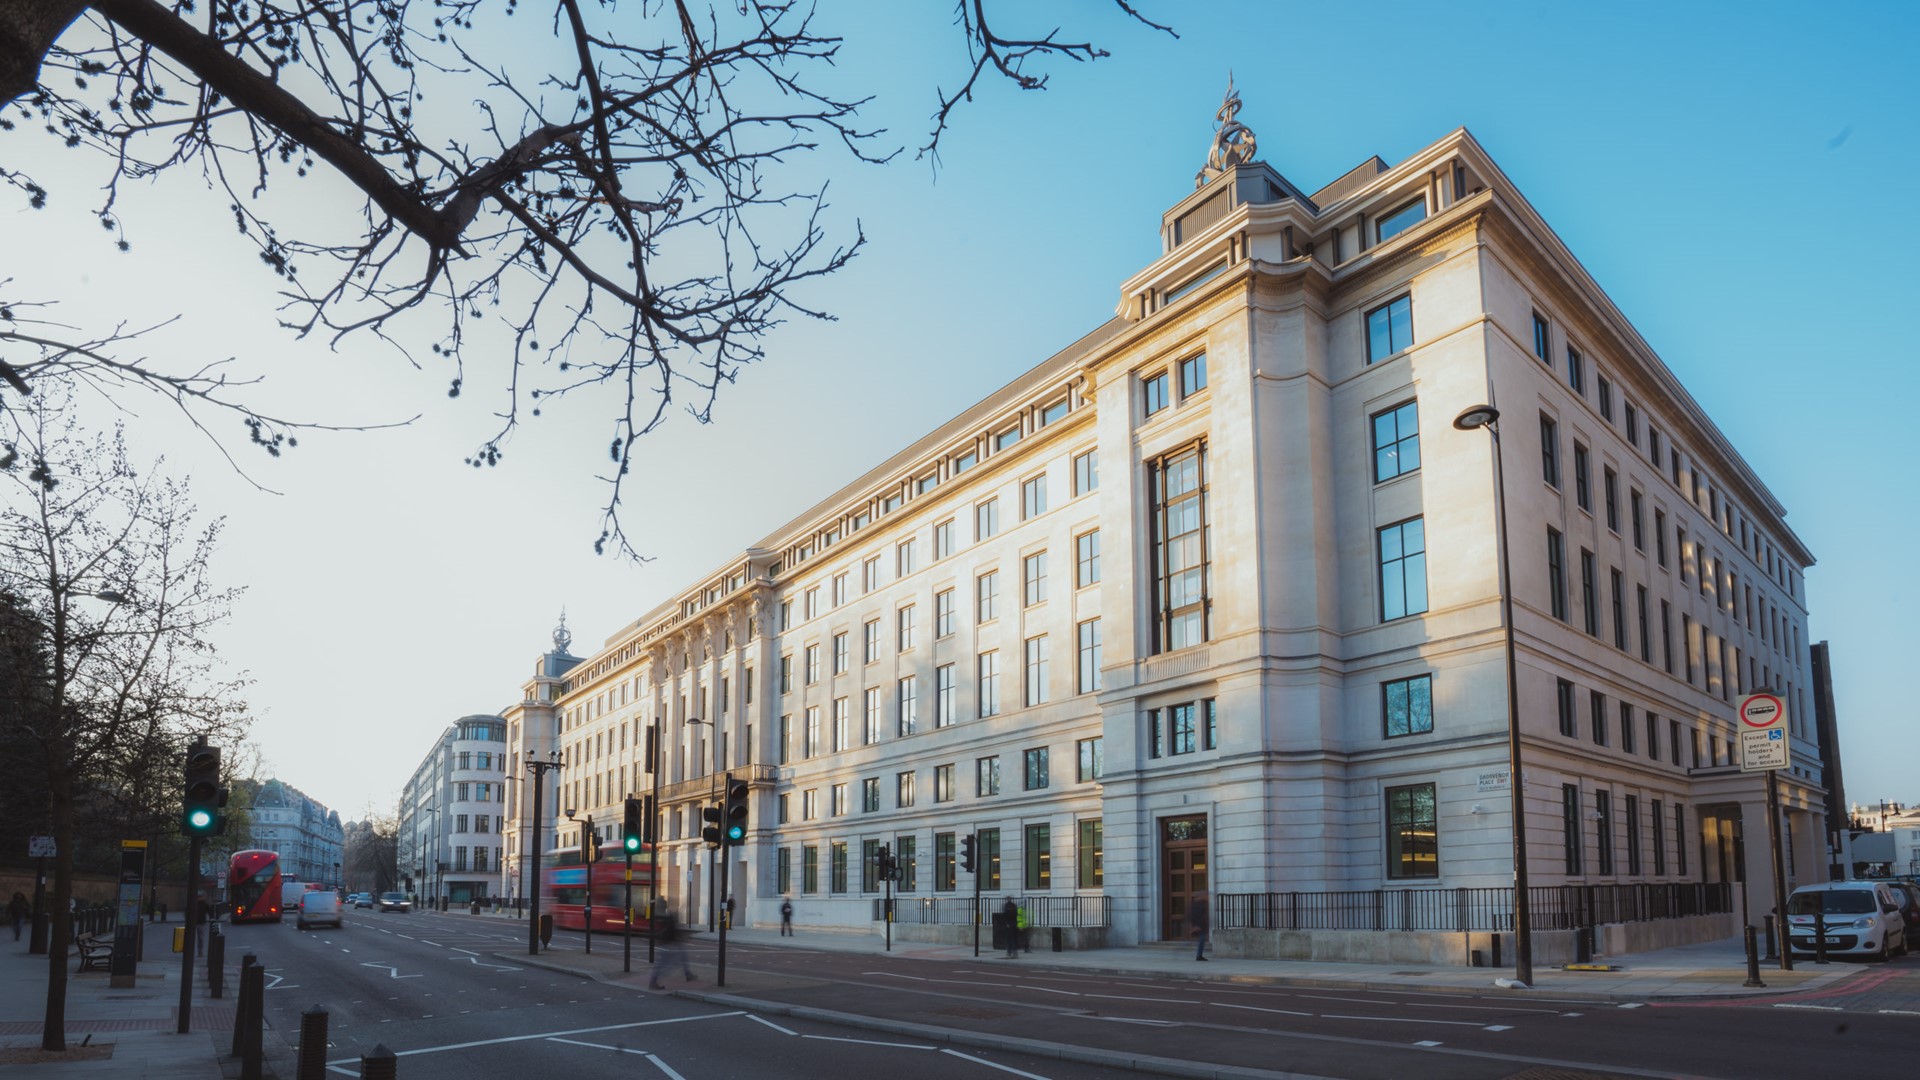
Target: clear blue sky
x,y
1738,179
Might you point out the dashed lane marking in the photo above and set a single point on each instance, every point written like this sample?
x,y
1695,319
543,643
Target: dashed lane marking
x,y
1256,1008
771,1024
869,1042
602,1046
1428,1042
1407,1020
993,1064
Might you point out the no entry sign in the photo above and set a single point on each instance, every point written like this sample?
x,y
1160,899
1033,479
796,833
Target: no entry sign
x,y
1763,733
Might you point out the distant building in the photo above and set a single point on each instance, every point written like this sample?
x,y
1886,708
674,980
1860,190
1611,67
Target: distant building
x,y
1211,600
451,814
306,834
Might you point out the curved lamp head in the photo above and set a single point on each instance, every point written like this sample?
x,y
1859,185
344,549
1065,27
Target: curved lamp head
x,y
570,813
1476,416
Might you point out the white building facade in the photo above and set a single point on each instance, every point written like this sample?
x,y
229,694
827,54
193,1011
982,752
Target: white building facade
x,y
304,832
452,815
1210,600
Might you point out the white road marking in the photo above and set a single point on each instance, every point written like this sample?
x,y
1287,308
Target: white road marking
x,y
1051,990
1632,1005
771,1024
392,972
1428,1042
1478,1008
1256,1008
1161,1001
1499,1027
1129,1020
469,952
1821,1008
869,1042
895,974
601,1046
1407,1020
994,1065
1573,1014
1898,1012
1356,1001
663,1067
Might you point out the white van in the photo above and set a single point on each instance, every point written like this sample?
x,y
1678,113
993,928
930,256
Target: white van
x,y
320,907
1860,918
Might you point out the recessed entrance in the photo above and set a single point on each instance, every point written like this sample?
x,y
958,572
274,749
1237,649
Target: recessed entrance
x,y
1183,862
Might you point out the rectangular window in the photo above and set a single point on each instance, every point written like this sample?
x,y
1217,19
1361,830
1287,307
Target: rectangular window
x,y
1086,472
906,627
906,557
1660,537
870,795
1033,497
1666,635
840,734
1573,838
903,790
1153,394
1597,716
943,613
1086,559
986,519
943,540
1181,735
1633,423
1087,676
1611,489
840,653
1582,485
988,853
1090,854
1550,450
812,655
1653,448
1606,397
1089,767
837,878
1398,221
783,870
986,593
1646,639
1576,371
1633,834
1626,728
1637,511
1569,720
870,641
869,866
1603,827
909,704
943,862
871,725
905,852
1541,345
1007,438
839,589
942,783
1659,826
1403,569
1039,858
786,737
1039,669
1557,573
1193,375
1408,706
1209,725
811,745
809,868
963,462
1413,832
837,800
870,574
1036,768
1396,442
987,776
944,694
1686,645
1589,608
1033,579
1653,736
811,602
1680,839
1182,548
1673,740
1389,328
989,683
1619,609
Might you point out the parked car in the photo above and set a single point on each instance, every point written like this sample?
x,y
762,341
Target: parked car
x,y
1861,918
393,901
318,908
1909,896
363,900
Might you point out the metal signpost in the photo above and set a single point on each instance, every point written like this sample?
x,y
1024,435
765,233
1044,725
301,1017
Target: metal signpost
x,y
39,849
1764,748
126,925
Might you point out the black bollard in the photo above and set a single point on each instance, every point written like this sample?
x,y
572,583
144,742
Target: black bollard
x,y
1753,959
378,1065
247,963
216,964
313,1045
1819,928
253,987
1771,953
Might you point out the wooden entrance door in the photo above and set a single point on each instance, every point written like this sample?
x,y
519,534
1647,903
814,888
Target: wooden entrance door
x,y
1183,863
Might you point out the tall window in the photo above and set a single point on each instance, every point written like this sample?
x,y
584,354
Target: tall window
x,y
1036,768
1589,609
1033,497
783,870
870,795
870,574
986,592
839,724
1576,371
1396,442
986,519
1659,826
1182,736
1039,858
1597,716
1086,472
1619,610
988,853
1637,513
1540,339
809,868
1606,397
1193,375
905,852
989,683
909,704
1633,834
1660,536
903,789
1408,705
943,783
943,862
1090,853
1557,573
1403,569
1413,832
906,557
944,704
1569,720
869,866
1610,488
1389,328
1646,639
870,641
1039,667
871,726
839,589
1090,766
907,625
1086,559
1033,579
811,745
1603,829
813,664
837,879
943,539
1582,484
1153,394
837,800
1182,545
987,776
1088,673
1573,838
943,613
840,653
1550,449
1626,727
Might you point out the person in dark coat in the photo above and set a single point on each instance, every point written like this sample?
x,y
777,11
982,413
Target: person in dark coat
x,y
671,950
19,910
786,917
1010,921
1200,917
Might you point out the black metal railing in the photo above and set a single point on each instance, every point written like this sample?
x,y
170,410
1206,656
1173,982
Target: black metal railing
x,y
1552,907
960,910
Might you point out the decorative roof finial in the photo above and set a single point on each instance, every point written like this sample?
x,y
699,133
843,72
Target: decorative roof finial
x,y
562,640
1233,142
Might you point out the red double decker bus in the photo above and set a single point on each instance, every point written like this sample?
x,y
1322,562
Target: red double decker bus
x,y
565,883
253,886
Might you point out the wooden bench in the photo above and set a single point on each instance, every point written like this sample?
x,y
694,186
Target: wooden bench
x,y
94,952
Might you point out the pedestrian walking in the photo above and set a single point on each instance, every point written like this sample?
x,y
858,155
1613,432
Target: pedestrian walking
x,y
1010,922
669,951
18,909
1025,926
1200,917
729,911
786,917
153,906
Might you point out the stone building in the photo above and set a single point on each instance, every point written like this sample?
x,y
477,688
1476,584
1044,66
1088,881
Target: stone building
x,y
306,834
1211,599
452,813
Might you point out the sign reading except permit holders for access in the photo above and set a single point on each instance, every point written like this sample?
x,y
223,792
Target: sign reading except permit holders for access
x,y
1763,733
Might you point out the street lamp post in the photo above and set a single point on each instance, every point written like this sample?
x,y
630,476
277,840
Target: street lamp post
x,y
1486,416
539,769
589,842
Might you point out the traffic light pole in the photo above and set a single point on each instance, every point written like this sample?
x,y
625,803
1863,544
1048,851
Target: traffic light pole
x,y
626,939
186,949
976,899
653,836
589,854
720,973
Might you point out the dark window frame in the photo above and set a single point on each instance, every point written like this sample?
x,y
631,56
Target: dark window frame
x,y
1411,723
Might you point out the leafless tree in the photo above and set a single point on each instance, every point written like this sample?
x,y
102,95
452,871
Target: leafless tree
x,y
597,198
108,570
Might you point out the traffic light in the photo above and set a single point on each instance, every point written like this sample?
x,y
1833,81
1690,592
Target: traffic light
x,y
200,810
735,810
633,830
883,863
711,834
590,845
966,853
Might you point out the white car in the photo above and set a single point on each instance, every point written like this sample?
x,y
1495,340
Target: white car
x,y
1859,918
318,908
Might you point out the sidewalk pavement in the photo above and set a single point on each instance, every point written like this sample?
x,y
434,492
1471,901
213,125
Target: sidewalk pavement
x,y
1699,972
124,1034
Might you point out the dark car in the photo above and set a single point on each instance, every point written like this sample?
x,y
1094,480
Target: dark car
x,y
1909,896
394,901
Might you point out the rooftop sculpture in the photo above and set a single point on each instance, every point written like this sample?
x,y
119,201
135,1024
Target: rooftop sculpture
x,y
1233,142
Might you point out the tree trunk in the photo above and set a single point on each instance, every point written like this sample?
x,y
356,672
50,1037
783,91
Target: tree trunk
x,y
53,1034
28,28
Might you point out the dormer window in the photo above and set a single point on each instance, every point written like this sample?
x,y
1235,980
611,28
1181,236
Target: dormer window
x,y
1400,220
1006,438
965,461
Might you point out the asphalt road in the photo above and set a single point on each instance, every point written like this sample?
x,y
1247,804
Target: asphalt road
x,y
432,989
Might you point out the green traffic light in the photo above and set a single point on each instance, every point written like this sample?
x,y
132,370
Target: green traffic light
x,y
736,833
633,843
199,819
